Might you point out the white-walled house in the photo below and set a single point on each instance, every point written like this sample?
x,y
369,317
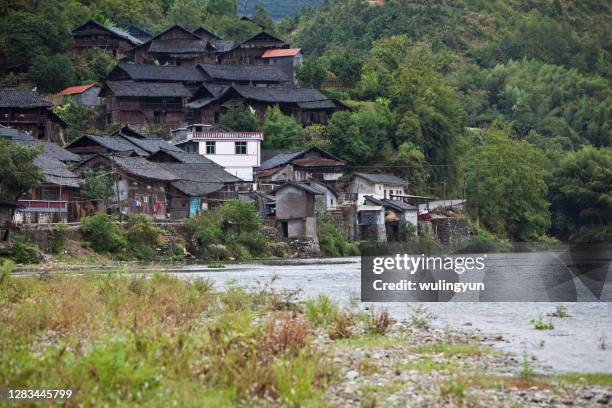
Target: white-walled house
x,y
238,152
381,186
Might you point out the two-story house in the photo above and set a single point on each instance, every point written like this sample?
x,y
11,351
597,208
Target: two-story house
x,y
237,152
381,186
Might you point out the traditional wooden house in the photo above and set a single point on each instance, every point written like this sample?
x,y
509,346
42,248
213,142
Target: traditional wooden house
x,y
289,58
165,189
295,210
138,32
240,74
175,46
307,105
251,51
219,43
145,103
188,75
53,199
27,112
95,35
312,164
118,145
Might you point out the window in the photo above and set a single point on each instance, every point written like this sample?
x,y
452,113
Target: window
x,y
241,147
211,147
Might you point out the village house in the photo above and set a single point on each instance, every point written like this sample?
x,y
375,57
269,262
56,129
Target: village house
x,y
312,164
138,32
95,35
397,212
237,152
174,46
307,105
83,94
145,103
219,43
255,75
379,186
289,58
371,223
251,51
188,75
165,190
28,112
54,199
295,210
119,144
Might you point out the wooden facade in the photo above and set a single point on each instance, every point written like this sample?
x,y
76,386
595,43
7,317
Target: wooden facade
x,y
175,46
95,35
252,50
41,123
145,110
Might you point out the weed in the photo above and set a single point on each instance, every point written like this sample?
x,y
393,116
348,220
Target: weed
x,y
216,265
560,312
321,311
378,322
453,387
341,326
421,318
540,324
526,370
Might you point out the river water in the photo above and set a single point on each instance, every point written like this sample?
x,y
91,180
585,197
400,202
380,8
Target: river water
x,y
580,343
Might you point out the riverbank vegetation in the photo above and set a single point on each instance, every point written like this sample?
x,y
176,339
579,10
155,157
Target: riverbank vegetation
x,y
156,340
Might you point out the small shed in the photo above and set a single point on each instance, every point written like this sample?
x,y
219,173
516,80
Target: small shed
x,y
84,94
295,210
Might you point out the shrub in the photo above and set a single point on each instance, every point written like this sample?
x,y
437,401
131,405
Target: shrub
x,y
332,241
59,238
483,242
143,237
24,252
378,323
102,234
341,326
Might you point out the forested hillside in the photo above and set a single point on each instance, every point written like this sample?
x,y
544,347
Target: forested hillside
x,y
277,8
499,101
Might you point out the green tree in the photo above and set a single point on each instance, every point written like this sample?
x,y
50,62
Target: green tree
x,y
506,187
187,13
581,193
240,118
52,73
102,234
281,131
311,72
18,171
221,8
261,17
99,185
78,117
358,137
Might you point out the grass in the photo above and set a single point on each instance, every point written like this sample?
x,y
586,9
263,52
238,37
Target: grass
x,y
455,349
120,339
603,379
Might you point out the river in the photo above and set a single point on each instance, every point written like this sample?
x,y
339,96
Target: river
x,y
580,343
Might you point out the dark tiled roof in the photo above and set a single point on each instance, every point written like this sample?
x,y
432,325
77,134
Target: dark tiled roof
x,y
55,171
123,34
52,150
138,32
286,156
267,154
381,178
147,89
280,94
170,73
201,31
181,156
196,189
250,73
200,172
15,98
141,167
301,186
327,104
394,204
152,145
116,144
178,46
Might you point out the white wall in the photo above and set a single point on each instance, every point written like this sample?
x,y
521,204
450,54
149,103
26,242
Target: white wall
x,y
240,165
363,187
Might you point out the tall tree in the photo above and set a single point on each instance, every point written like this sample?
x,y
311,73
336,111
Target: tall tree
x,y
18,173
281,131
505,183
241,118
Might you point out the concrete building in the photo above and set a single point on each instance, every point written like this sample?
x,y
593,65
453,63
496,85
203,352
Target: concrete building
x,y
379,186
295,210
237,152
